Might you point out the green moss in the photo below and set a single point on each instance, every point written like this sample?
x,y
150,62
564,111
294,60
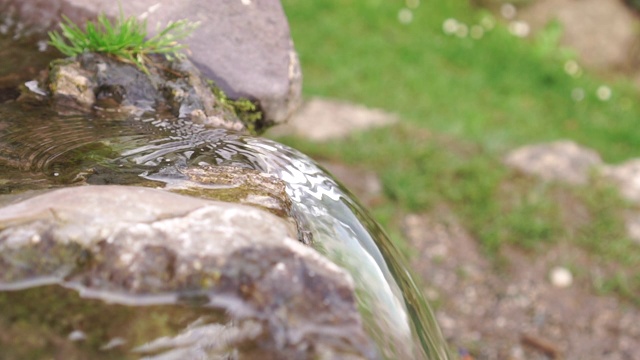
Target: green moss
x,y
247,111
36,323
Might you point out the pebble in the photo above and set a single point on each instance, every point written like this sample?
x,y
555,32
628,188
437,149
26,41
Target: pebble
x,y
561,277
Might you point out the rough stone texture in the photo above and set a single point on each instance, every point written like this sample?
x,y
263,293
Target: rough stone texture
x,y
119,243
242,186
558,161
245,46
323,119
97,82
73,87
602,31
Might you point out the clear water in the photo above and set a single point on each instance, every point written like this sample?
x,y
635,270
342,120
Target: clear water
x,y
40,149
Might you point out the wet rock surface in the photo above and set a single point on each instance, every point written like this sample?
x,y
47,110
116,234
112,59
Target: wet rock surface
x,y
129,244
98,82
245,46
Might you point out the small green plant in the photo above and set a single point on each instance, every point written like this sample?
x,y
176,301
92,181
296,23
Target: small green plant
x,y
124,39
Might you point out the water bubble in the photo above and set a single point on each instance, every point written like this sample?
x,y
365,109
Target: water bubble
x,y
577,94
405,16
450,26
519,28
477,32
508,11
572,68
412,4
604,93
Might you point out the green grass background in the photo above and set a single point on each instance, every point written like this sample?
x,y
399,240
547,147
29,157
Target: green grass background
x,y
464,103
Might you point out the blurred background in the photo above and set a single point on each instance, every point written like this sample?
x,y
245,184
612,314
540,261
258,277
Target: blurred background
x,y
492,140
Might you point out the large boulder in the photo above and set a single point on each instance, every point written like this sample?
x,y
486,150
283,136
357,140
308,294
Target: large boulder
x,y
132,245
245,46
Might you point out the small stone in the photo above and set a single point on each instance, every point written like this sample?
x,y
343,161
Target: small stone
x,y
323,119
626,177
563,161
561,277
113,343
77,335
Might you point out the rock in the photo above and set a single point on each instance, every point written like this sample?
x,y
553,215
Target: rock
x,y
627,177
601,31
72,86
245,46
95,81
124,244
563,161
632,225
324,119
560,277
240,185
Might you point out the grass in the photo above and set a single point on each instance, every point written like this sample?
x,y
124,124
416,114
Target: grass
x,y
124,39
465,102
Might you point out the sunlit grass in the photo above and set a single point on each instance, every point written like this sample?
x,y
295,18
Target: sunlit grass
x,y
125,39
465,102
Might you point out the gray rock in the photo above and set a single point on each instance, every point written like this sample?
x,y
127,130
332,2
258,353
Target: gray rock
x,y
245,46
129,244
94,81
563,161
602,32
626,176
324,119
632,225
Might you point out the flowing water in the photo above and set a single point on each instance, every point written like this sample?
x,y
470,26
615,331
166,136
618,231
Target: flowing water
x,y
40,149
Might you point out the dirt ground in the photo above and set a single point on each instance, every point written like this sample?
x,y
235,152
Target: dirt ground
x,y
517,312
